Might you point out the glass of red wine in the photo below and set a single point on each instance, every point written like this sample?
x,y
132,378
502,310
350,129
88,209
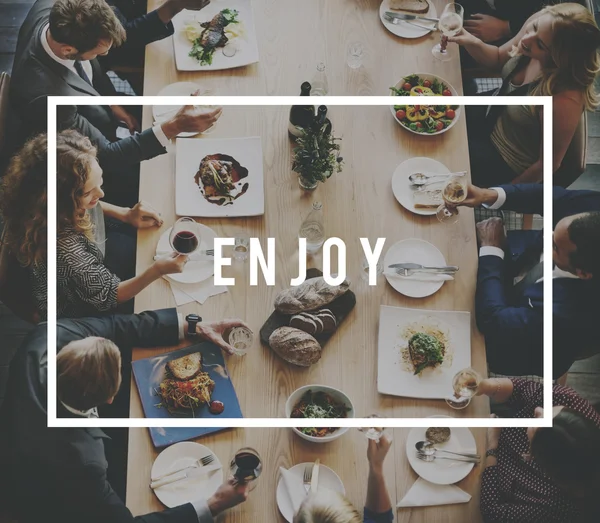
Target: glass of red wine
x,y
246,466
185,236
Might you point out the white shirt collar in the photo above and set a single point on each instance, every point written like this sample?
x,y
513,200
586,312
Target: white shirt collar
x,y
91,413
69,64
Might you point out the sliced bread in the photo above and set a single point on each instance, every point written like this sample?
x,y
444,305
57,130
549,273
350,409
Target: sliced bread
x,y
187,367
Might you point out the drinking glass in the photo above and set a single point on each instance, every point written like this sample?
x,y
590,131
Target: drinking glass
x,y
208,109
356,52
450,24
319,83
241,247
455,191
465,384
246,466
373,433
240,339
185,236
365,269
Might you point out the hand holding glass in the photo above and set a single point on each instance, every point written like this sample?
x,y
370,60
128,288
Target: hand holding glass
x,y
455,192
185,236
450,24
465,384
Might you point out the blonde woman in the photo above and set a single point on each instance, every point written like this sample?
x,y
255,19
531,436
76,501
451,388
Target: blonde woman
x,y
332,507
554,54
94,266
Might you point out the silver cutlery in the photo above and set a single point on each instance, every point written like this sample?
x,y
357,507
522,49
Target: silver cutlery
x,y
195,256
202,462
397,21
314,482
427,448
430,459
306,480
189,474
422,178
402,16
415,267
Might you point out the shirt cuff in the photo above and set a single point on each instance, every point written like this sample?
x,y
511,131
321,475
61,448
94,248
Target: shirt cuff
x,y
500,201
181,326
203,512
488,250
160,135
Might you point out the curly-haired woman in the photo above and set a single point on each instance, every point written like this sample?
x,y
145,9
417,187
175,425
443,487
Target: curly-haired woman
x,y
92,274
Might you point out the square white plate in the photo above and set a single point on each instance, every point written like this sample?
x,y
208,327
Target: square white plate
x,y
393,376
188,197
247,45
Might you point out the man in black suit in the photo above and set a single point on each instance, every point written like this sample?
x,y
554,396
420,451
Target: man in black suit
x,y
509,300
60,474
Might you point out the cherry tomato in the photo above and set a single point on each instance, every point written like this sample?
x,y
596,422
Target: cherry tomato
x,y
447,92
439,126
417,108
401,114
419,125
426,83
450,114
407,86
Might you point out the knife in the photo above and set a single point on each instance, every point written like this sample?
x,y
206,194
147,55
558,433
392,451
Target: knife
x,y
417,267
410,17
314,482
189,474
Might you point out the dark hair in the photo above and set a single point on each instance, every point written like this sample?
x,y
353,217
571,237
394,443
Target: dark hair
x,y
568,452
584,232
83,23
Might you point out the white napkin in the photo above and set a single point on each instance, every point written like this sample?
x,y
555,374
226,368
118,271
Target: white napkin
x,y
293,487
188,292
426,494
419,276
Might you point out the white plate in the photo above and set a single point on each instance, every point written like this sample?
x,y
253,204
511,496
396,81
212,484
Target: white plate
x,y
164,112
185,491
414,251
403,189
327,478
195,271
442,471
188,198
403,29
247,46
395,377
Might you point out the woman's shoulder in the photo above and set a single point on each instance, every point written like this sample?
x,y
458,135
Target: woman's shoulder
x,y
572,96
71,240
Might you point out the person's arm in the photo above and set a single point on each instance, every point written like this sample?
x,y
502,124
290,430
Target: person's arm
x,y
140,216
378,506
499,390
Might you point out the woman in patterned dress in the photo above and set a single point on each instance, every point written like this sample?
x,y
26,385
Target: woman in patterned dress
x,y
87,284
543,474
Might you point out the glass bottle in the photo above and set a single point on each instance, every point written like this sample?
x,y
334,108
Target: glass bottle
x,y
313,229
301,116
320,85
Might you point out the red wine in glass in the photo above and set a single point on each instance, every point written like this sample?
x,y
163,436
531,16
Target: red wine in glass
x,y
185,242
246,466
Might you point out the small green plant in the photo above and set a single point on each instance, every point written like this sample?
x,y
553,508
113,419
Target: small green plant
x,y
316,157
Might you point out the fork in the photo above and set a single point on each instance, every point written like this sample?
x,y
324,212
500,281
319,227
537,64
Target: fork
x,y
397,21
307,478
410,272
202,462
429,459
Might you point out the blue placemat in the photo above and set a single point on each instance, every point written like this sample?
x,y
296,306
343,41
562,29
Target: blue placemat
x,y
149,372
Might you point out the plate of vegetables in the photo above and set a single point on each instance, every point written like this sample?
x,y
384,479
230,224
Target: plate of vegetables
x,y
428,119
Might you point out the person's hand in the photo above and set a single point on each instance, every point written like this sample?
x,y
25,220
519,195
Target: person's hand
x,y
476,196
490,233
493,436
142,216
228,495
171,264
214,332
487,28
128,119
463,38
170,8
377,451
192,5
191,118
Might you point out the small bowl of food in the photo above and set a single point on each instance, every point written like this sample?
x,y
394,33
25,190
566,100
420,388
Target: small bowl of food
x,y
319,401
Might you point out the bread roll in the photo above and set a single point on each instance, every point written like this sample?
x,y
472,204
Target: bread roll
x,y
411,6
295,346
310,295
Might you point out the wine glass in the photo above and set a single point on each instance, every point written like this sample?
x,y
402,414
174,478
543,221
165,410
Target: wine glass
x,y
246,466
455,192
450,24
185,236
465,384
240,339
373,433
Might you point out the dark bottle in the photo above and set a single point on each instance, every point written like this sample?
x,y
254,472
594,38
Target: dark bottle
x,y
301,116
323,122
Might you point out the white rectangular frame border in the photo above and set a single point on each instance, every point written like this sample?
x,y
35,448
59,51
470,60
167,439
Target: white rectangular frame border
x,y
55,101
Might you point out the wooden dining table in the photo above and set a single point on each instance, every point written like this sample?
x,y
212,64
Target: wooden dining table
x,y
358,202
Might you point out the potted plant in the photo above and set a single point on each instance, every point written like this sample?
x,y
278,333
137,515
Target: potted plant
x,y
316,157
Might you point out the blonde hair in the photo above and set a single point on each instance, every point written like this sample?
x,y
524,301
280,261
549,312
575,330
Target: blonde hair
x,y
574,56
88,373
330,507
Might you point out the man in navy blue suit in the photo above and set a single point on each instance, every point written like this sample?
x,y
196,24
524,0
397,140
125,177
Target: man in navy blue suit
x,y
509,299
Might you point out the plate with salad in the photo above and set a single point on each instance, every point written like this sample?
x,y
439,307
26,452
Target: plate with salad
x,y
220,36
431,118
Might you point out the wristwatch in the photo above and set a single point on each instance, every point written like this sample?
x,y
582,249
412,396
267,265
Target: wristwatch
x,y
193,320
492,452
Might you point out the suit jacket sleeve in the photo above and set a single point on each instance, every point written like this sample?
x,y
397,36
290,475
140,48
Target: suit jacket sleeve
x,y
111,155
148,329
143,30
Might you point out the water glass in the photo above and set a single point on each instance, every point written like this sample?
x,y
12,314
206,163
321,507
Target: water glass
x,y
240,339
241,247
356,52
374,433
365,269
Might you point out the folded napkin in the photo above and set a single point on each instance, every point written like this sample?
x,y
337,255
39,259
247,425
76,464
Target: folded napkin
x,y
420,276
294,487
189,292
426,494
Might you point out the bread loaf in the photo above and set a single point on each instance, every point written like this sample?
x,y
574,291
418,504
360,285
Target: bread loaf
x,y
411,6
310,295
295,346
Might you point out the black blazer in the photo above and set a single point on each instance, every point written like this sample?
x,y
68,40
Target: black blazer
x,y
59,474
35,76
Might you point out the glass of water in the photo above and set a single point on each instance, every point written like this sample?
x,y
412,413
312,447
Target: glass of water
x,y
241,247
240,339
374,433
356,52
365,269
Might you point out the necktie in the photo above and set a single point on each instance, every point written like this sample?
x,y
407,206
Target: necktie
x,y
81,72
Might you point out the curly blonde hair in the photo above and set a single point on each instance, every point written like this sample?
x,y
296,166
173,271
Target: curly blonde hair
x,y
574,55
330,507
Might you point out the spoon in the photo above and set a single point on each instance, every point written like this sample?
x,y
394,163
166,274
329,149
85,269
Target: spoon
x,y
421,178
427,448
430,459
